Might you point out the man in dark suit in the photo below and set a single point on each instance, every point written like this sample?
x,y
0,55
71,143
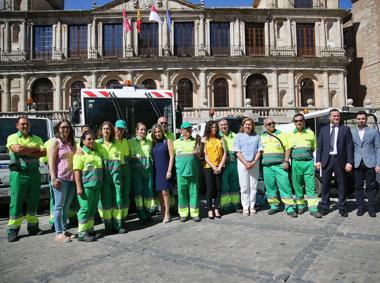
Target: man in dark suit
x,y
367,163
335,154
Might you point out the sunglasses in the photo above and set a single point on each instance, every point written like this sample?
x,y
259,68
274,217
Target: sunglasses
x,y
163,123
270,124
298,121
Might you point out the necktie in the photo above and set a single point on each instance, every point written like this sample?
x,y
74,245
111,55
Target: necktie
x,y
332,138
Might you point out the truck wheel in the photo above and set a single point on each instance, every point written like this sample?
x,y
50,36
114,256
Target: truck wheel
x,y
318,186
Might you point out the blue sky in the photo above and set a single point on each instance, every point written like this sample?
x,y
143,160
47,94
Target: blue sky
x,y
86,4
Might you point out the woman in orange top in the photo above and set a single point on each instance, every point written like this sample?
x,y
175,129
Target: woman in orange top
x,y
215,157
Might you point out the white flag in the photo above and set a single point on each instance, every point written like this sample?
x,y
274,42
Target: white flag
x,y
154,17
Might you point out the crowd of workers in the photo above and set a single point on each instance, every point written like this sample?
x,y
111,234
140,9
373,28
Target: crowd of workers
x,y
98,172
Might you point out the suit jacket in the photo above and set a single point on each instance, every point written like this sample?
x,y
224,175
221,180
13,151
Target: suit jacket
x,y
367,150
345,146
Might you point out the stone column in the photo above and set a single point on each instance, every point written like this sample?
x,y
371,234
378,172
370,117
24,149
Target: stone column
x,y
93,34
202,49
323,33
203,90
273,97
325,97
7,37
201,31
290,34
23,37
6,97
93,80
267,38
57,101
58,36
237,41
339,33
166,79
23,96
129,51
165,39
239,89
342,93
100,38
271,35
292,94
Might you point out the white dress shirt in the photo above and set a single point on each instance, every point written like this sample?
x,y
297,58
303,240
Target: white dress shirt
x,y
361,133
335,151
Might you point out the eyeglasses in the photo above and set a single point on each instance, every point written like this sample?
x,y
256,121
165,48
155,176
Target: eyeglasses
x,y
270,124
298,121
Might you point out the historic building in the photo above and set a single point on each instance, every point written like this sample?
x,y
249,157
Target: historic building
x,y
283,53
362,36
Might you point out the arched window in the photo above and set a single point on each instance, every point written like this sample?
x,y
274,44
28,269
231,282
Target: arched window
x,y
220,93
113,84
42,94
307,91
185,93
149,84
257,90
75,91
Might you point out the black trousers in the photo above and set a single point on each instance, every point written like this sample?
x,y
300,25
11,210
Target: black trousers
x,y
369,175
213,183
333,166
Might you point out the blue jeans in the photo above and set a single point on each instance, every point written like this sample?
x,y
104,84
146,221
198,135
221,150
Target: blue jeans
x,y
62,198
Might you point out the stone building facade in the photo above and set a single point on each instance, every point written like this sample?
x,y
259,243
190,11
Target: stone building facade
x,y
278,54
362,35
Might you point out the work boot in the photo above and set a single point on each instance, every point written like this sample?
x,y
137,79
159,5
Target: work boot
x,y
292,214
316,214
272,211
196,219
34,232
12,236
301,209
122,231
183,219
87,238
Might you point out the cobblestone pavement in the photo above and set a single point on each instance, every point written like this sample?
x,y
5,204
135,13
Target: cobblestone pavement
x,y
258,248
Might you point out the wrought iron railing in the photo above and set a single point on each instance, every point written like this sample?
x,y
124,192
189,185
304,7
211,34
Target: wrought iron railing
x,y
178,51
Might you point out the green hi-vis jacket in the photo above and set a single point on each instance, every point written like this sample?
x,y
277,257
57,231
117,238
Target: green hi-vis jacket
x,y
91,165
302,143
273,152
112,155
23,162
229,142
187,165
140,152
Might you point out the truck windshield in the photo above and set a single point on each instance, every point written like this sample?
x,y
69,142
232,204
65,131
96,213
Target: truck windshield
x,y
39,127
135,110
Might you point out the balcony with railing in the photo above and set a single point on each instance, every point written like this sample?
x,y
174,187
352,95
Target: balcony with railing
x,y
220,51
147,51
113,52
306,51
183,51
177,51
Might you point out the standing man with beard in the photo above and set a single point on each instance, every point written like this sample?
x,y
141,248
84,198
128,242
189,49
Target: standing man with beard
x,y
367,163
